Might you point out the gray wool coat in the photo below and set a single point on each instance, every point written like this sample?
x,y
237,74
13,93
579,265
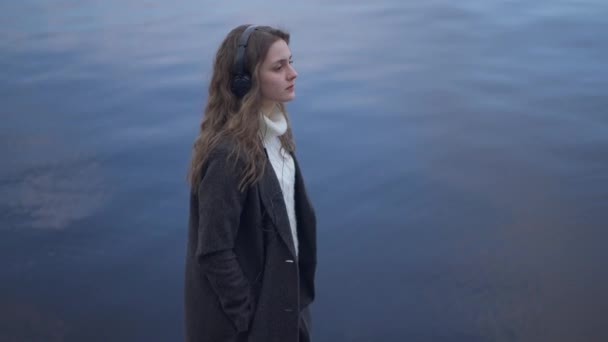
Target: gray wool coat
x,y
243,281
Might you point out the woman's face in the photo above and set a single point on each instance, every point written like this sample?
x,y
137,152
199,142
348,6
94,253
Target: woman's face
x,y
277,76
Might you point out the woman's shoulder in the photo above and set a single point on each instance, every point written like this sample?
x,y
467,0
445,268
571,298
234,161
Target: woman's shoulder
x,y
223,152
222,148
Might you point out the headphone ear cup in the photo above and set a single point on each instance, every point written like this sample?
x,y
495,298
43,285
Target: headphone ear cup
x,y
240,85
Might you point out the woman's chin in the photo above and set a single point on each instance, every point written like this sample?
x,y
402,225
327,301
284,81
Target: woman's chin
x,y
290,97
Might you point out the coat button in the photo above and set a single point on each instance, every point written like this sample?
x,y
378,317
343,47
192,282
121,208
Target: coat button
x,y
289,261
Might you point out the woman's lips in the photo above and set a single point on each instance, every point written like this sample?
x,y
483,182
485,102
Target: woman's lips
x,y
291,87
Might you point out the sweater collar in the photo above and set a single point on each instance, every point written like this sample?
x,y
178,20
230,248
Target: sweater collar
x,y
273,124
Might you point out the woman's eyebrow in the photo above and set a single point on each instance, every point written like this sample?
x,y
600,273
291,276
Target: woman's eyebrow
x,y
282,60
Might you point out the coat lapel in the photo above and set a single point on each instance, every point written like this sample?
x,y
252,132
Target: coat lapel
x,y
307,221
272,199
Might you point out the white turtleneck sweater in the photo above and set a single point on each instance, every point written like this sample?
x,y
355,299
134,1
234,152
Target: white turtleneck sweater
x,y
272,126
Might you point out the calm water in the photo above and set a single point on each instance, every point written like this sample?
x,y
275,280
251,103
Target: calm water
x,y
457,155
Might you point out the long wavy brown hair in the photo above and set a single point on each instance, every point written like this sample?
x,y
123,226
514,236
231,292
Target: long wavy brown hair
x,y
226,116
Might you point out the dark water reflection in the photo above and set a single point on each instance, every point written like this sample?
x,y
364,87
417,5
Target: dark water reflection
x,y
456,155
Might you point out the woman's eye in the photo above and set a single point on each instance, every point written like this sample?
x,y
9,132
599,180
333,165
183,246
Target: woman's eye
x,y
279,67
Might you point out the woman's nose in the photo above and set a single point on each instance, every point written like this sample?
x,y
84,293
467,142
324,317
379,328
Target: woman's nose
x,y
293,73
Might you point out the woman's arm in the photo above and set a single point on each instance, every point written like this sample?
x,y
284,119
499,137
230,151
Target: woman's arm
x,y
220,206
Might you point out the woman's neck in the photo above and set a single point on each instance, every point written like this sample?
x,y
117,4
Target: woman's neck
x,y
268,108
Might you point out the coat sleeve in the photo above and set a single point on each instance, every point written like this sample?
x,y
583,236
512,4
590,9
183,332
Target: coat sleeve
x,y
220,206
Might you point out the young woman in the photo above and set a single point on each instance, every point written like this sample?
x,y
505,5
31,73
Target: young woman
x,y
251,257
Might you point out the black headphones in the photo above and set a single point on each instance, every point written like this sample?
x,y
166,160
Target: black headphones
x,y
241,81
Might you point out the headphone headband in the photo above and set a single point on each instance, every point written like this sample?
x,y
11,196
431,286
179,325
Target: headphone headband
x,y
239,62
